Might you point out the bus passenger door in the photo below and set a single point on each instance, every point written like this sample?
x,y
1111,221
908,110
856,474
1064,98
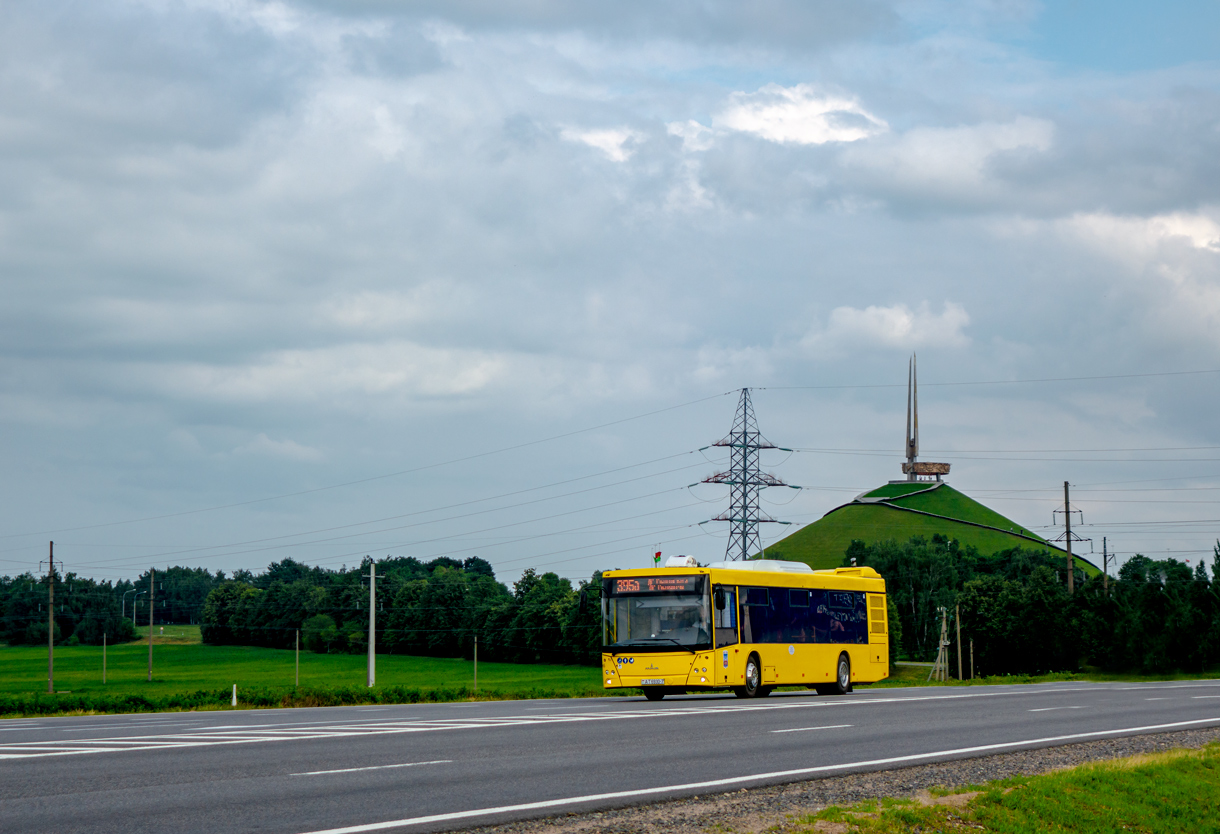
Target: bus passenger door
x,y
724,598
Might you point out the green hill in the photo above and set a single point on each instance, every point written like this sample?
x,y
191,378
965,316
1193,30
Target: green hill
x,y
899,511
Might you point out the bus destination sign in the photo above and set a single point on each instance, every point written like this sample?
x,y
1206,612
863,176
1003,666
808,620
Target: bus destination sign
x,y
659,584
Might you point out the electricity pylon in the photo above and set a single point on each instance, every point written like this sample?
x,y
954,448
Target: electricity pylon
x,y
746,481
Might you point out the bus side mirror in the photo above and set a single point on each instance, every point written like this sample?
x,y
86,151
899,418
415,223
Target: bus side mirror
x,y
719,598
583,604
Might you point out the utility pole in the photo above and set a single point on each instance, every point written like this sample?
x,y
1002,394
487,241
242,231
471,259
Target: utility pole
x,y
51,621
476,662
1067,528
103,657
1105,567
1067,536
298,681
957,618
372,623
152,593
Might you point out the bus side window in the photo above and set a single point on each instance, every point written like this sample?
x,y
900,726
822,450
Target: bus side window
x,y
755,615
821,616
798,625
726,619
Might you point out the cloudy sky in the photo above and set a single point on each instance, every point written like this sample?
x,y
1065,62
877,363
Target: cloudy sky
x,y
319,279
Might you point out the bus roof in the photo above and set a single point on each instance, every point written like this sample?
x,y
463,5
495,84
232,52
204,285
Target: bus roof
x,y
774,573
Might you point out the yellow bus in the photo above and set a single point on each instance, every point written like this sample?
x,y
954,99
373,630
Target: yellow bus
x,y
745,626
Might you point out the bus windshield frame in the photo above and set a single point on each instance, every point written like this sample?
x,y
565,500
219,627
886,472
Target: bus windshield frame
x,y
657,614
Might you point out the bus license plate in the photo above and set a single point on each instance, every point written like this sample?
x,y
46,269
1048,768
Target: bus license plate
x,y
652,682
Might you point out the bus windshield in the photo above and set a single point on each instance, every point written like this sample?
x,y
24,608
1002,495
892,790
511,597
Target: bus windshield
x,y
658,621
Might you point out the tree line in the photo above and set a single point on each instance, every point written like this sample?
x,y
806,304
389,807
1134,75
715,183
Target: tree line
x,y
1155,617
438,608
88,611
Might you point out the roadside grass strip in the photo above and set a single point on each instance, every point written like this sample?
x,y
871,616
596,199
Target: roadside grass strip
x,y
1174,791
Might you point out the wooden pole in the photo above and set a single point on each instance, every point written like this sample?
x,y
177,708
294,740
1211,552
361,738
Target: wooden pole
x,y
372,621
1105,567
152,592
51,623
971,658
103,657
476,662
1067,516
298,679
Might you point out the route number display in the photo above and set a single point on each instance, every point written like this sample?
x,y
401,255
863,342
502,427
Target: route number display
x,y
659,584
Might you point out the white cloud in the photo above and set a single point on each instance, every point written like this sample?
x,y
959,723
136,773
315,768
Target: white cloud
x,y
329,374
947,160
289,449
613,142
798,115
896,326
695,137
1170,268
1140,236
381,310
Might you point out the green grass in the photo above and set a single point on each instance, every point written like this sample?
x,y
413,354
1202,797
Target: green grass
x,y
1162,792
822,544
947,501
895,490
182,668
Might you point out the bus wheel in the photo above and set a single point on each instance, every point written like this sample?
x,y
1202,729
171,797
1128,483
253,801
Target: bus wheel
x,y
753,687
842,683
654,693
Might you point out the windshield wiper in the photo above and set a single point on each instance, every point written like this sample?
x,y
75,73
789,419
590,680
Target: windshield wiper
x,y
626,648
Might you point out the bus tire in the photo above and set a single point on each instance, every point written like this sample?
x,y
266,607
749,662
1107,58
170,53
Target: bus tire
x,y
842,684
654,693
753,687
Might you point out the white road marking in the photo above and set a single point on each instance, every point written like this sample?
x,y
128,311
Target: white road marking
x,y
806,729
1048,709
1199,685
375,767
738,780
304,730
1197,697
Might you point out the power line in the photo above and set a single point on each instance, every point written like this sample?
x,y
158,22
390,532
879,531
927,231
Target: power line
x,y
987,382
127,560
424,468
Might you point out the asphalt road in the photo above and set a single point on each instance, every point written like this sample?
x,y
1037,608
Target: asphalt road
x,y
435,767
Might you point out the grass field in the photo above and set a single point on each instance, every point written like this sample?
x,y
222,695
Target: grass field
x,y
189,675
182,664
1162,792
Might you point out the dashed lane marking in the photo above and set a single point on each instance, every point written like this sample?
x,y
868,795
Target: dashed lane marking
x,y
306,730
807,729
374,767
778,775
